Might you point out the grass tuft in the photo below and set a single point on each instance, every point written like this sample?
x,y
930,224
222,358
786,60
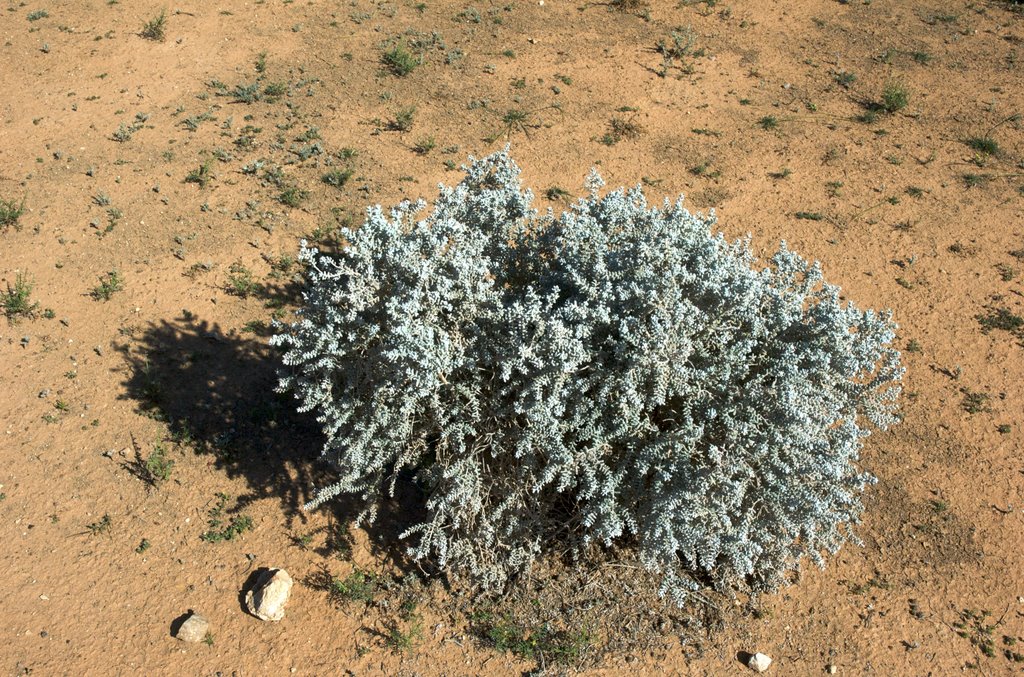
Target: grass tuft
x,y
156,28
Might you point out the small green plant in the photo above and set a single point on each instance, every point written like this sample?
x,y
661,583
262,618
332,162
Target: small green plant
x,y
913,346
540,643
110,284
358,586
38,14
275,90
403,120
202,175
844,79
10,212
123,133
676,48
143,546
975,402
619,129
158,466
704,169
156,28
15,301
1002,319
809,216
241,282
895,96
261,62
337,177
292,196
557,194
768,122
399,640
208,639
985,145
974,626
400,61
245,93
100,526
975,180
221,530
424,145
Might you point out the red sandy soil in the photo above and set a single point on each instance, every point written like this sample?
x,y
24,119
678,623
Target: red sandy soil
x,y
757,121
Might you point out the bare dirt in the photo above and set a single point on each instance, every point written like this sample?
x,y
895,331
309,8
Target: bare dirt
x,y
772,113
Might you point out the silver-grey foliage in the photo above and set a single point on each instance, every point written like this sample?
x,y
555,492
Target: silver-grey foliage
x,y
617,373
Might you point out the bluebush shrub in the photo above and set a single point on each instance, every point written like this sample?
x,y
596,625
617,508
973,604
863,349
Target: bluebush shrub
x,y
615,374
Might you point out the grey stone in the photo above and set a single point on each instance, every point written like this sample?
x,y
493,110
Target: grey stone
x,y
268,596
193,629
759,662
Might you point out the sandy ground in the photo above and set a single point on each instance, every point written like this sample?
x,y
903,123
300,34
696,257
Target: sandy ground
x,y
767,113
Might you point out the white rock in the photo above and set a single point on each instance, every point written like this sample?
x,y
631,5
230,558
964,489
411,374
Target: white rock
x,y
759,662
194,628
267,598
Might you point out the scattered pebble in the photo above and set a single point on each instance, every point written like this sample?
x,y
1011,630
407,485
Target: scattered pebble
x,y
759,662
194,628
831,669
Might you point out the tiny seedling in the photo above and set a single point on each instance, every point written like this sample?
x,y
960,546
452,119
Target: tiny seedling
x,y
424,145
109,284
100,526
358,586
143,546
337,177
400,61
985,145
156,28
219,530
15,301
10,212
241,282
403,120
292,196
895,96
557,193
975,180
768,122
1002,319
518,120
202,175
533,642
619,129
399,640
274,91
975,402
158,466
844,79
